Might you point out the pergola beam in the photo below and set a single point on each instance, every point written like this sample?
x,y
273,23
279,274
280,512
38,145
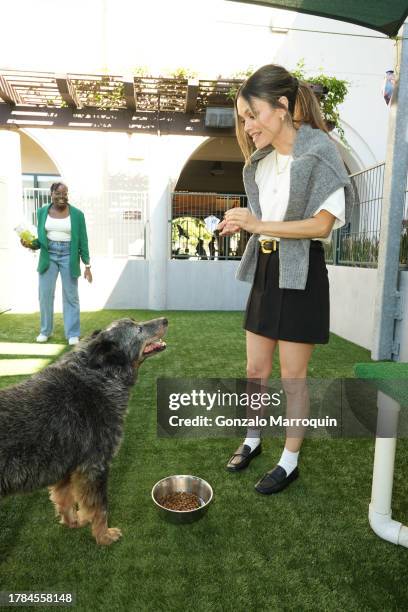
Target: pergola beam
x,y
122,120
191,97
67,91
6,92
129,94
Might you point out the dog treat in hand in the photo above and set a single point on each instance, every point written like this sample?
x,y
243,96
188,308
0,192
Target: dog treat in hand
x,y
180,501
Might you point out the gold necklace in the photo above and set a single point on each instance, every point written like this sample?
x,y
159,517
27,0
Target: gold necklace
x,y
279,170
278,174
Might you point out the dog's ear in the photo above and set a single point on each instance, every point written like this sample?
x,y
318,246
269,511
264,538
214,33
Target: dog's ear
x,y
104,352
95,333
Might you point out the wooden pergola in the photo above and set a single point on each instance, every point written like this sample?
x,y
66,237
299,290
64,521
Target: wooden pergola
x,y
110,102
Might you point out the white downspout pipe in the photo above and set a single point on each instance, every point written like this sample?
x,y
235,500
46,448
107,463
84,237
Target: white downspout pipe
x,y
380,512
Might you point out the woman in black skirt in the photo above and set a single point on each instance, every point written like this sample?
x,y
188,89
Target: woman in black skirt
x,y
298,192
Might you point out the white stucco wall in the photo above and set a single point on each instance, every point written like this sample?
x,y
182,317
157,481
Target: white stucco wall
x,y
360,61
205,285
352,296
10,215
91,162
122,283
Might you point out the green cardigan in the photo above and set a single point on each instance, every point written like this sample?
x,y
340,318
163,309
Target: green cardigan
x,y
79,240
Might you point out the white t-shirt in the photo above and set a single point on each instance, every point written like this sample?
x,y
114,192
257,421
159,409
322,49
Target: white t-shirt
x,y
273,179
58,229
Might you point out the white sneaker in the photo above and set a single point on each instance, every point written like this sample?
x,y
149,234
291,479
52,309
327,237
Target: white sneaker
x,y
41,338
73,340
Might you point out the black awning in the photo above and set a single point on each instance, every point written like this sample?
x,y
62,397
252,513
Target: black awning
x,y
386,16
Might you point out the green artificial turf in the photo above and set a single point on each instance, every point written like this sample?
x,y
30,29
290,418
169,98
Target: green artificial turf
x,y
308,548
390,377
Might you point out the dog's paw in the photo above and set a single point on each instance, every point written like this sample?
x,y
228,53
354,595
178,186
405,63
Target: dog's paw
x,y
69,519
83,519
112,534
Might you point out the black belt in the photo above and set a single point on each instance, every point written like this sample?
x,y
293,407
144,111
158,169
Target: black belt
x,y
269,246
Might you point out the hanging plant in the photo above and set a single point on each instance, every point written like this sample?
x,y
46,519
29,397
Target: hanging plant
x,y
103,94
333,94
183,73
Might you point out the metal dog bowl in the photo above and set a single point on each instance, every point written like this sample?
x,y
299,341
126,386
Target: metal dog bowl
x,y
182,484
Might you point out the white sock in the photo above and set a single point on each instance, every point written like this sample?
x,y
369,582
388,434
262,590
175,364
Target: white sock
x,y
253,438
288,460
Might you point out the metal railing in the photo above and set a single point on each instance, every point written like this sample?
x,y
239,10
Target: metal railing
x,y
33,199
115,220
193,226
357,243
194,216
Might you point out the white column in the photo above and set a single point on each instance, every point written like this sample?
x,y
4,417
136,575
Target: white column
x,y
157,234
11,214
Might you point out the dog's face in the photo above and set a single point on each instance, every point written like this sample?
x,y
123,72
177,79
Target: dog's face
x,y
126,342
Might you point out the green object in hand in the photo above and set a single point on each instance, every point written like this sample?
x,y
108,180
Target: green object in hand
x,y
27,236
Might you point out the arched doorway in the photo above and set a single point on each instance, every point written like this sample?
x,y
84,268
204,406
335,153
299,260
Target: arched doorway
x,y
209,183
39,171
215,166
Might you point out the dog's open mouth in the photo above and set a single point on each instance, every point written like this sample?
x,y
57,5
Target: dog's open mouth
x,y
154,347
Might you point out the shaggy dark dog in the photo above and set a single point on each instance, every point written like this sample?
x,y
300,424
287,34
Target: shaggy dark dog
x,y
62,427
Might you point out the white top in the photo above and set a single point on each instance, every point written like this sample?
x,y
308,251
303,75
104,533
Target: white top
x,y
58,229
273,179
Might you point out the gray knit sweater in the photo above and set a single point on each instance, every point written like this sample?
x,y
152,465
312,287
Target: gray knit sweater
x,y
316,172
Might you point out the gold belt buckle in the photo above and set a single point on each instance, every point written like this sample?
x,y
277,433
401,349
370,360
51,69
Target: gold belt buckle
x,y
267,251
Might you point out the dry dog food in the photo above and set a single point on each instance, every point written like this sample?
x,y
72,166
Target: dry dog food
x,y
180,501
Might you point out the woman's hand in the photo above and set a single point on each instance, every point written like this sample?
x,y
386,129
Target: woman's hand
x,y
227,229
27,244
88,275
242,219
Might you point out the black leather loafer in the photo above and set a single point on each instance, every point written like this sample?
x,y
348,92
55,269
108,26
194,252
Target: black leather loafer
x,y
276,480
242,457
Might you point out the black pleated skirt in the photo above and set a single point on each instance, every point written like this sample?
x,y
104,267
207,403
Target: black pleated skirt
x,y
294,315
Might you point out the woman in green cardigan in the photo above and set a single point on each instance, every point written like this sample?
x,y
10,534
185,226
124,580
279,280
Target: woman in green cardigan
x,y
62,240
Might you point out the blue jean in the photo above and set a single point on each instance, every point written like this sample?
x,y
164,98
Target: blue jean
x,y
59,262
